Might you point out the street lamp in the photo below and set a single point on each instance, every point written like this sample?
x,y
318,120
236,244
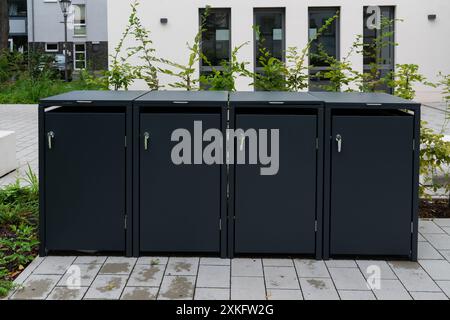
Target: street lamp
x,y
65,4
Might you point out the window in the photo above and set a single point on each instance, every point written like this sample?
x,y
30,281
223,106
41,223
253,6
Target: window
x,y
379,44
17,8
51,47
327,43
79,20
80,56
270,23
215,39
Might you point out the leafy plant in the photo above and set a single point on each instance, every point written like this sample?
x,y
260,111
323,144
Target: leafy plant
x,y
147,72
224,79
121,73
297,69
403,79
273,74
186,74
19,208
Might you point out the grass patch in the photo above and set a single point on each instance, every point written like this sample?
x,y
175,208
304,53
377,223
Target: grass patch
x,y
29,91
19,211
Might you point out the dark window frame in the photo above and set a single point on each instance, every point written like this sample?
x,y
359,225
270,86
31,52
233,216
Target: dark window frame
x,y
313,70
207,68
383,67
275,10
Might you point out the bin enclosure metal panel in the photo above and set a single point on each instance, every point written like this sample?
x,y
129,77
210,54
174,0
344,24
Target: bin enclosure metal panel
x,y
85,181
371,185
179,204
277,213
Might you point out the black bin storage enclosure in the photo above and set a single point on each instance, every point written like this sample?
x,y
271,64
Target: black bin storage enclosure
x,y
85,172
279,213
371,175
179,208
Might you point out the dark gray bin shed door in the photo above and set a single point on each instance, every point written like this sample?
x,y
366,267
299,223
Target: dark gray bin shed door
x,y
179,204
276,214
85,181
371,185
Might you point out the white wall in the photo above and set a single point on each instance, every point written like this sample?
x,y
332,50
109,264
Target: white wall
x,y
420,41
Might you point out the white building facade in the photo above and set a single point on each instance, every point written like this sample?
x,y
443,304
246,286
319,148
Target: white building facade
x,y
423,34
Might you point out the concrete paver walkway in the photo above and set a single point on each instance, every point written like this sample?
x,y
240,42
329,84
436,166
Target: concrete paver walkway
x,y
201,278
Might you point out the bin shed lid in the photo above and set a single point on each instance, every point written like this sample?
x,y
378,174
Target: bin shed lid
x,y
272,98
173,96
91,96
365,98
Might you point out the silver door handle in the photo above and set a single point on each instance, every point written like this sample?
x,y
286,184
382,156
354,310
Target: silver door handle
x,y
339,142
146,138
50,136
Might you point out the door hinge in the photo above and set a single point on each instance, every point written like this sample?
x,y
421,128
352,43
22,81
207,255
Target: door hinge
x,y
315,226
125,141
125,222
220,224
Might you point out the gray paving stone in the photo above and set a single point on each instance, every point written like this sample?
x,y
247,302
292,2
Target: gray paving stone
x,y
446,229
213,276
281,278
131,261
107,287
118,265
391,290
146,276
247,288
86,272
152,260
412,276
445,286
429,227
437,269
318,289
385,270
428,296
36,287
356,295
241,267
311,269
283,294
341,264
182,266
445,254
348,279
442,222
278,263
212,294
64,293
139,293
426,251
439,241
177,288
28,270
54,265
420,238
215,261
90,260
